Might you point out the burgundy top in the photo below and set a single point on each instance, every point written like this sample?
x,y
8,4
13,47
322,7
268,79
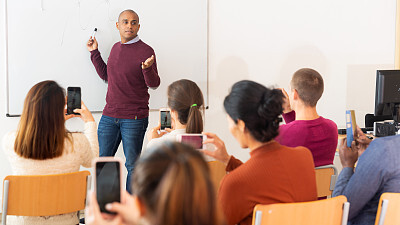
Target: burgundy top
x,y
127,94
319,135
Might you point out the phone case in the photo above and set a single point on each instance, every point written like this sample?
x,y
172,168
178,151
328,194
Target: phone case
x,y
107,159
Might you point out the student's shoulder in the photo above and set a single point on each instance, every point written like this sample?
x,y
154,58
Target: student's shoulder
x,y
328,122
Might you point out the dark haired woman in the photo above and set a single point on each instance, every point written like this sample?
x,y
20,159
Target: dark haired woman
x,y
274,173
171,185
186,102
43,146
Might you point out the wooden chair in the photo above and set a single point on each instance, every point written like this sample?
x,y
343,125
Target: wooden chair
x,y
332,211
388,209
217,171
326,179
44,195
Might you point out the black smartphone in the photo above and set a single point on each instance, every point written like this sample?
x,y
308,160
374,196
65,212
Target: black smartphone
x,y
74,99
108,181
165,118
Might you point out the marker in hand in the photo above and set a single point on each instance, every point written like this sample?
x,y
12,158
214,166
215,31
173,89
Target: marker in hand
x,y
92,42
94,33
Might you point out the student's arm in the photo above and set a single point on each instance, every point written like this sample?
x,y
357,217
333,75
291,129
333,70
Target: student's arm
x,y
233,203
150,72
289,117
362,185
233,164
89,144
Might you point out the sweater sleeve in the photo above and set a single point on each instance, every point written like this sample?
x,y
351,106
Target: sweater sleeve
x,y
90,152
361,186
99,64
230,196
151,75
289,117
233,164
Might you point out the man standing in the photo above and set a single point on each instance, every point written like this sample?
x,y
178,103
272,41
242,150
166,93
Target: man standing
x,y
130,70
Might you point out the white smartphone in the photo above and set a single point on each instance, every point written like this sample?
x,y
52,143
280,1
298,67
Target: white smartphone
x,y
195,140
165,118
107,181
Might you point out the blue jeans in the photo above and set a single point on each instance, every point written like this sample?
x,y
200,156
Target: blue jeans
x,y
110,133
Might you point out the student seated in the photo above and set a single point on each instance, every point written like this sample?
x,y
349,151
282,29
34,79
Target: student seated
x,y
377,172
171,185
186,102
304,127
275,173
43,146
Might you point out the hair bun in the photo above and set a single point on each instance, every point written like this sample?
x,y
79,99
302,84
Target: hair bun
x,y
270,106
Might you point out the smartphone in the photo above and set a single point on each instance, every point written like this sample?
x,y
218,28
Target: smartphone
x,y
74,99
107,181
195,140
350,126
165,118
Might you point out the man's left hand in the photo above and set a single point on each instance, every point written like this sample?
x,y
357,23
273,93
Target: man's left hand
x,y
149,62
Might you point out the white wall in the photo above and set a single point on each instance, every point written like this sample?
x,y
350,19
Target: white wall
x,y
266,41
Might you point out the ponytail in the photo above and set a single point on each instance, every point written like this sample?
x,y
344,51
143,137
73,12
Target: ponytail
x,y
194,123
185,97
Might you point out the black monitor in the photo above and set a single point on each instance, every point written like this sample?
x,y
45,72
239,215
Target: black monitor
x,y
387,94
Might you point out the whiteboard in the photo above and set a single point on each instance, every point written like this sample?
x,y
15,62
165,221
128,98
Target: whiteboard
x,y
46,40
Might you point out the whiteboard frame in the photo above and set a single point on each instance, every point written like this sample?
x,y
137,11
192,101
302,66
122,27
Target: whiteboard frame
x,y
207,99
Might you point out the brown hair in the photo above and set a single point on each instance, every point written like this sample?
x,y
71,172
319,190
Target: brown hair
x,y
173,182
309,85
41,131
185,97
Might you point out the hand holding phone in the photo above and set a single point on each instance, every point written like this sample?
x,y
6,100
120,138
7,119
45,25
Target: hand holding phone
x,y
107,181
73,100
165,118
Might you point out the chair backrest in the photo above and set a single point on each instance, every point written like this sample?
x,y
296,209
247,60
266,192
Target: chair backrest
x,y
217,170
388,209
45,195
326,179
332,211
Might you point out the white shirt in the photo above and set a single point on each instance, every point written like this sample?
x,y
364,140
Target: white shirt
x,y
136,39
172,138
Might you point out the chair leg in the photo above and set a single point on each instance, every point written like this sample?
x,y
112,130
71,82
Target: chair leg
x,y
5,202
345,217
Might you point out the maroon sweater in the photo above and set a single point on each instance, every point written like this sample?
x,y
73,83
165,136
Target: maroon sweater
x,y
127,94
319,135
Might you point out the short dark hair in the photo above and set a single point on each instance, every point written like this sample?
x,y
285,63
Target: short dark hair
x,y
257,106
309,85
128,10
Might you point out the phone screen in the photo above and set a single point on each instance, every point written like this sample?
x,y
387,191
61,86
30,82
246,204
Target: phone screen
x,y
165,119
74,99
107,184
195,141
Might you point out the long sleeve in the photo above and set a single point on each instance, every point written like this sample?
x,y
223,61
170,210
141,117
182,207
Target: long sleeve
x,y
362,185
92,150
151,75
230,197
289,117
99,64
233,164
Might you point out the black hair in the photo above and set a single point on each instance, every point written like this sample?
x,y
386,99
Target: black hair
x,y
257,106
